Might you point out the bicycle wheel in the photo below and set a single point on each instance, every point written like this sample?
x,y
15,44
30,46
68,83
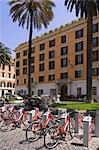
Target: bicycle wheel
x,y
69,133
51,138
25,121
5,125
33,132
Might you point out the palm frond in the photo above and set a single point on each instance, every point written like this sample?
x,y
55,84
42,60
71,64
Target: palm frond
x,y
5,54
83,7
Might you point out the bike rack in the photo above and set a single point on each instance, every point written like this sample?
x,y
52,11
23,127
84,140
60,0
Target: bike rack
x,y
97,124
86,130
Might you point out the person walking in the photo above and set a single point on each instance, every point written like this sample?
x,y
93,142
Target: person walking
x,y
3,100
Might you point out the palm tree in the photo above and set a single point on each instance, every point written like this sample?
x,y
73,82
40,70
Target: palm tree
x,y
87,9
5,54
33,13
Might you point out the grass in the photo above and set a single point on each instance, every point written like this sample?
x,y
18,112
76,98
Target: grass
x,y
77,105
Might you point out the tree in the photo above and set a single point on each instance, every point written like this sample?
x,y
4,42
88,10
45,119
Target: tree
x,y
33,14
87,9
5,54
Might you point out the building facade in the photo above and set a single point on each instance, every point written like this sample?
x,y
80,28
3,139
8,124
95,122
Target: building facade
x,y
58,61
7,78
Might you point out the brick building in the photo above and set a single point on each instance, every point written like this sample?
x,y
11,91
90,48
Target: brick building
x,y
58,61
7,78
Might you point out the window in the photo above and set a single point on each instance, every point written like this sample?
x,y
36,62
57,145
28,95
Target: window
x,y
32,69
17,64
24,81
9,84
79,91
95,71
32,92
79,59
51,54
17,72
2,74
17,82
51,77
42,46
9,75
9,68
95,56
32,59
63,39
3,67
40,92
51,65
95,42
78,73
14,76
32,80
94,90
25,53
52,91
24,62
64,75
13,85
3,84
17,55
41,57
64,62
78,46
24,70
79,33
41,78
52,43
41,67
95,28
64,50
33,50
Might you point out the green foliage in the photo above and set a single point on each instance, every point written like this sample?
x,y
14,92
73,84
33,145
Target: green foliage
x,y
5,54
83,7
42,12
78,105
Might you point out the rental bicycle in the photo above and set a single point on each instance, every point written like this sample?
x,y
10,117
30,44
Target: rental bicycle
x,y
15,119
38,128
63,131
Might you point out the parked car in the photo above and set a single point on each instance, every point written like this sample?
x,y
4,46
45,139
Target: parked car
x,y
18,97
7,95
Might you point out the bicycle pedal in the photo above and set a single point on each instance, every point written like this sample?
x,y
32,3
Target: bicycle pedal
x,y
62,138
29,122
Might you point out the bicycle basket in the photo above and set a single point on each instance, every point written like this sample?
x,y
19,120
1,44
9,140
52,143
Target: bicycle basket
x,y
46,116
63,119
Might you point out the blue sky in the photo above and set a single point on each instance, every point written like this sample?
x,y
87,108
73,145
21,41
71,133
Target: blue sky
x,y
12,35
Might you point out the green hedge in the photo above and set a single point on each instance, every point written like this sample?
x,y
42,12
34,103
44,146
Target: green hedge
x,y
77,105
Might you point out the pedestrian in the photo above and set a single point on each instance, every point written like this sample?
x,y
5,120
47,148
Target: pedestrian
x,y
3,100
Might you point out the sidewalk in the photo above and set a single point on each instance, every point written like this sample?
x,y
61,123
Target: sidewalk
x,y
11,141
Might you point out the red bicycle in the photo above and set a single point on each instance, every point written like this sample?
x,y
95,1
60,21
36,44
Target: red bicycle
x,y
63,131
16,118
38,128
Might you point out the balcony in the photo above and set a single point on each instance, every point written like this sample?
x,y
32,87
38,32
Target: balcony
x,y
63,81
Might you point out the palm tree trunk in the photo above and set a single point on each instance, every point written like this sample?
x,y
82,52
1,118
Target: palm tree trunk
x,y
89,58
29,53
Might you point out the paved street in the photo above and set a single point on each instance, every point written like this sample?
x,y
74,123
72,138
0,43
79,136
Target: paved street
x,y
11,141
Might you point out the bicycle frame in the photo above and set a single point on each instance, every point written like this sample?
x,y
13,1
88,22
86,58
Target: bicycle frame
x,y
62,128
45,119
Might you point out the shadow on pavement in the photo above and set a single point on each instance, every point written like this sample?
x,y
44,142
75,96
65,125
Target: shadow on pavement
x,y
77,144
24,142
